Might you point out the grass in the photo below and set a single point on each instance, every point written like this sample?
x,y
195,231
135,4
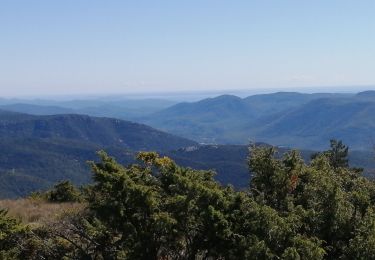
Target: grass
x,y
36,211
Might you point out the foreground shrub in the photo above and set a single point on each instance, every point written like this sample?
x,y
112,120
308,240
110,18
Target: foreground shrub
x,y
11,232
63,191
158,210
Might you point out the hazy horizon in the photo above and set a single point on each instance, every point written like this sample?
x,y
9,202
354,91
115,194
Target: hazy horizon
x,y
94,47
192,95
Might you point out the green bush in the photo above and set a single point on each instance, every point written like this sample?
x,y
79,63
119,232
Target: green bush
x,y
64,191
159,210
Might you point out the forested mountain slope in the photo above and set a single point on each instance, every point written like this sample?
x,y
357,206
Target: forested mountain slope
x,y
40,150
101,131
351,120
304,121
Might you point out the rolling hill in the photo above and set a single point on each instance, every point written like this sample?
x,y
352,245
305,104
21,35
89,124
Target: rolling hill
x,y
290,119
36,109
311,125
40,150
101,131
205,120
114,107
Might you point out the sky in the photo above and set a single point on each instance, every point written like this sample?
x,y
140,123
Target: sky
x,y
95,46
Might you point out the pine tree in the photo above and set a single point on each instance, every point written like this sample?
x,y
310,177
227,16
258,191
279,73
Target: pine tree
x,y
338,154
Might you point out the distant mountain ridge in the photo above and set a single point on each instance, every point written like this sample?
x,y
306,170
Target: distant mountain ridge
x,y
117,107
41,150
291,119
311,125
36,109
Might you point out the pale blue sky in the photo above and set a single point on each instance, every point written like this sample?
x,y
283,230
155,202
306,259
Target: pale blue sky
x,y
96,46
